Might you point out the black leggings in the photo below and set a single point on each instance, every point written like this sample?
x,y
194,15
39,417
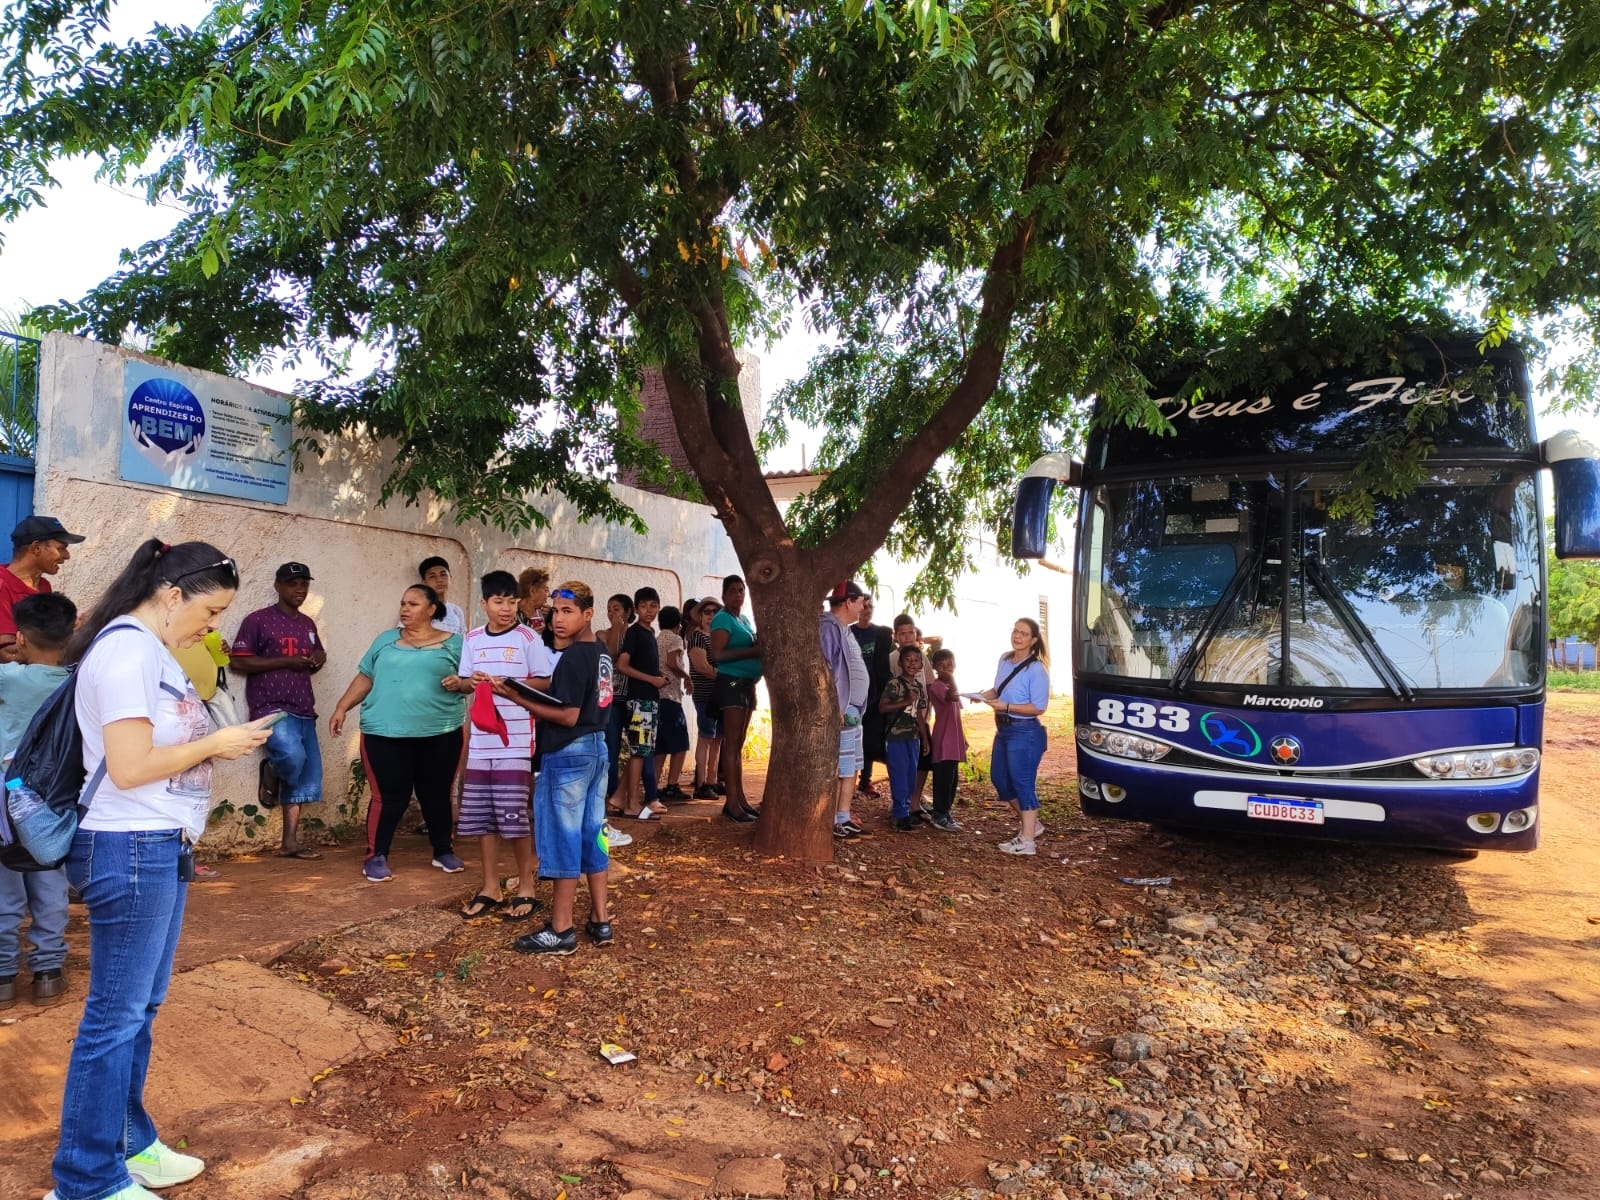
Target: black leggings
x,y
398,766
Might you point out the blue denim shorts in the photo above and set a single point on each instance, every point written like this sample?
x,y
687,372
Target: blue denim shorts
x,y
850,756
569,809
708,720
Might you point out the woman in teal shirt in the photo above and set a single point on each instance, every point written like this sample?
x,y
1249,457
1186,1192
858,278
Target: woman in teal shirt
x,y
737,656
411,723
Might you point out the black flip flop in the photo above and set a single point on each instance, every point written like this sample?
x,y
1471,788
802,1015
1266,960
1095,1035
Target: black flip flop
x,y
305,852
484,904
532,902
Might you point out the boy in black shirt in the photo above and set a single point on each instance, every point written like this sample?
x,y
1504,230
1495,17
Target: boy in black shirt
x,y
639,658
569,796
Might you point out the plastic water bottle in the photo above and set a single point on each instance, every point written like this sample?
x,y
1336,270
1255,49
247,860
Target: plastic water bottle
x,y
22,801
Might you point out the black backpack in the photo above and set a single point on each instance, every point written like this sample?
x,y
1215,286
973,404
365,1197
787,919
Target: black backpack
x,y
49,760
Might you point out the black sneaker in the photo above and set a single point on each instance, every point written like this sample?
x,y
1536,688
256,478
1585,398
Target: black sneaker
x,y
946,822
907,824
599,932
706,792
844,831
855,830
547,941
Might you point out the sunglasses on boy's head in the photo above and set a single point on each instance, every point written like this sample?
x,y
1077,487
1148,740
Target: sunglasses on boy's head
x,y
564,594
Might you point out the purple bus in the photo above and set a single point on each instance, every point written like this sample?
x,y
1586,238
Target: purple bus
x,y
1249,654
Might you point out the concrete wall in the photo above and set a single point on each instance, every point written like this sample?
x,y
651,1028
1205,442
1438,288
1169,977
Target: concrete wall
x,y
363,556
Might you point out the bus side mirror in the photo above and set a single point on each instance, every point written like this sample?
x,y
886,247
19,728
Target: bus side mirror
x,y
1030,516
1575,463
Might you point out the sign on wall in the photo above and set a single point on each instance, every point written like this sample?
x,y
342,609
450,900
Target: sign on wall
x,y
202,433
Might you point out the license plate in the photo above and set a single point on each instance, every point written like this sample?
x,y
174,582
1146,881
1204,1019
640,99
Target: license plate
x,y
1270,808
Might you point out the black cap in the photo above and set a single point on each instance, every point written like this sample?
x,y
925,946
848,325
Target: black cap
x,y
42,529
845,590
293,570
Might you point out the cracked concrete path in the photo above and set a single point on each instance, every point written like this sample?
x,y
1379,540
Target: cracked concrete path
x,y
231,1032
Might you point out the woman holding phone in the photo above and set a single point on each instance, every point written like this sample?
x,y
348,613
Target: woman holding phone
x,y
411,728
148,746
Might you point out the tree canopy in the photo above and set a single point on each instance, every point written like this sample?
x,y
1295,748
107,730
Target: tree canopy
x,y
991,208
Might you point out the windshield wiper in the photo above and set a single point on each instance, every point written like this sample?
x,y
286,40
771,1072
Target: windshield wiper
x,y
1382,665
1190,662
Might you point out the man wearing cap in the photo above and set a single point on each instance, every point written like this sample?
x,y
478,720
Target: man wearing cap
x,y
850,679
277,650
39,545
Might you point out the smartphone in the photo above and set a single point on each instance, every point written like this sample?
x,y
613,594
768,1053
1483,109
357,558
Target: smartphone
x,y
268,721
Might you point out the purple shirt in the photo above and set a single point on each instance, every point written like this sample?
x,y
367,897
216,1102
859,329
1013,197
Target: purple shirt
x,y
273,633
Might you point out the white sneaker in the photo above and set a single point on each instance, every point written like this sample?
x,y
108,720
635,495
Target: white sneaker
x,y
1017,846
614,836
160,1166
132,1192
1038,828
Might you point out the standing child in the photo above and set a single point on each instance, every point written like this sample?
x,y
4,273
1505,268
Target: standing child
x,y
435,572
949,739
499,775
640,660
569,797
672,729
44,625
906,738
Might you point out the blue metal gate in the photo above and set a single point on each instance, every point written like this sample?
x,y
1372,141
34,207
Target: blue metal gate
x,y
19,428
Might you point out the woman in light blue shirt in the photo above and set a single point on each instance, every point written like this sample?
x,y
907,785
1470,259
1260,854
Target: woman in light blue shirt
x,y
413,706
1020,695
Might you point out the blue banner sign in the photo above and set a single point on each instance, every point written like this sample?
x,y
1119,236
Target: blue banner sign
x,y
203,433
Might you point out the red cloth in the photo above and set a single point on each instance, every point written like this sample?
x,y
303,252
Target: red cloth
x,y
13,589
485,715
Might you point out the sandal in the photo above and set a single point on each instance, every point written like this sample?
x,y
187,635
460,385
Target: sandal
x,y
479,906
202,871
531,903
304,852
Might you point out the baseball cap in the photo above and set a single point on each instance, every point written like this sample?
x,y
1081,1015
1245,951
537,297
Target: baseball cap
x,y
293,570
846,589
42,529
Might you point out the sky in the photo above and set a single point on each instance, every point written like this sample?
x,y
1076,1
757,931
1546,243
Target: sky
x,y
62,250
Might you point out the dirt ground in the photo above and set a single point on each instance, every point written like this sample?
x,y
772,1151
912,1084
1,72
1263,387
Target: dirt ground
x,y
924,1017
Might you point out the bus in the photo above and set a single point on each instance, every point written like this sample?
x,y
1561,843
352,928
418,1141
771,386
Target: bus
x,y
1248,655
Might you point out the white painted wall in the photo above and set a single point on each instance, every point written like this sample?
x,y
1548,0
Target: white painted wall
x,y
363,556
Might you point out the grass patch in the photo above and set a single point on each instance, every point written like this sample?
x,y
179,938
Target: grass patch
x,y
1573,681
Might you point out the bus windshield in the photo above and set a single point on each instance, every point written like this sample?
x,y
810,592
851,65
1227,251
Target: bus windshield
x,y
1247,580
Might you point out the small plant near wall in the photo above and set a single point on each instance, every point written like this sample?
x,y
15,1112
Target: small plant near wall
x,y
347,819
248,817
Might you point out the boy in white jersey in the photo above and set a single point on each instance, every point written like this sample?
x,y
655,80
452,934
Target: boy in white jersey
x,y
499,775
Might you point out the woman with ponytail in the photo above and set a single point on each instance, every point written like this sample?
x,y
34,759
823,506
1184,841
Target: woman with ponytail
x,y
412,712
147,752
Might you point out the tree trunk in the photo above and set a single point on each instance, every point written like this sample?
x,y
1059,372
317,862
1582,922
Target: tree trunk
x,y
797,806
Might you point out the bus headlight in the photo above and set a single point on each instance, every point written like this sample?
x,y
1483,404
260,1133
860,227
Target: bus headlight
x,y
1123,745
1114,794
1519,819
1088,787
1484,822
1478,764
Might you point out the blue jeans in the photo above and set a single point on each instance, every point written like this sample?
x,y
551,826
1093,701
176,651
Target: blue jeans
x,y
130,883
1014,762
569,807
296,760
43,896
900,755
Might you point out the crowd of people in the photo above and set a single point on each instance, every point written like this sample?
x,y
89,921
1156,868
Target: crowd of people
x,y
552,728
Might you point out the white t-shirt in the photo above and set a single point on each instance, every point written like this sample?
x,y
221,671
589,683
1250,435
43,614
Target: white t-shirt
x,y
454,619
669,643
517,653
133,675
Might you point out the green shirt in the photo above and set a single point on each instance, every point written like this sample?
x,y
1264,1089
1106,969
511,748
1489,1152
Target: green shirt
x,y
406,698
740,635
23,688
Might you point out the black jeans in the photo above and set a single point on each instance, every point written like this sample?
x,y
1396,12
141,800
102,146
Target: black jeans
x,y
944,786
398,766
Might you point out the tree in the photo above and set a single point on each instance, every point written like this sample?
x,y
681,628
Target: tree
x,y
994,207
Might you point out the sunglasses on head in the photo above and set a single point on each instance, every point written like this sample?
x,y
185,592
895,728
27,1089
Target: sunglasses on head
x,y
565,594
232,568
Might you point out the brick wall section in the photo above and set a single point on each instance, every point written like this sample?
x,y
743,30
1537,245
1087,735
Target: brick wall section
x,y
656,424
